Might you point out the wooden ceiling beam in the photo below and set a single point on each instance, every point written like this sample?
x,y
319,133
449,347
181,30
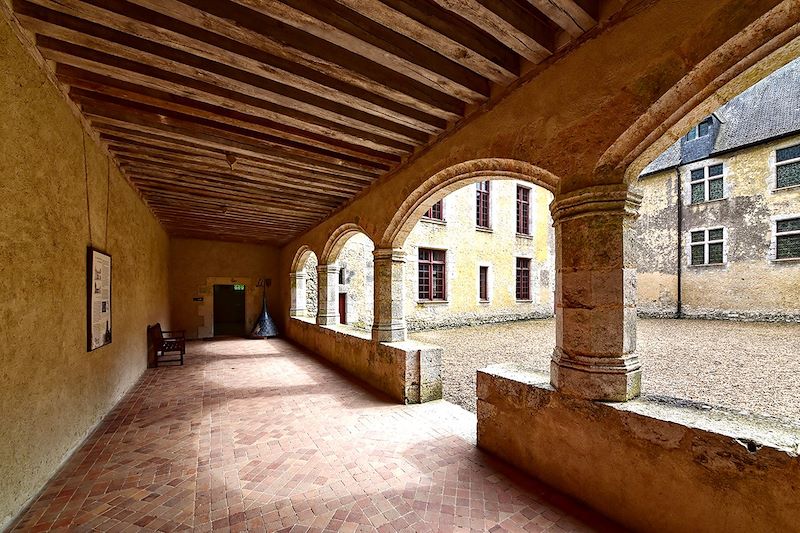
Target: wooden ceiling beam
x,y
257,30
444,32
157,27
508,22
353,31
253,175
275,134
90,81
567,14
65,35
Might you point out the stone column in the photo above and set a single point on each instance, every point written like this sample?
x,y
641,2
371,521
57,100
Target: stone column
x,y
328,294
595,349
297,282
389,324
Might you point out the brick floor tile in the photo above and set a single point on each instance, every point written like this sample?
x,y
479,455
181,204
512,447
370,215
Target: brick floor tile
x,y
254,435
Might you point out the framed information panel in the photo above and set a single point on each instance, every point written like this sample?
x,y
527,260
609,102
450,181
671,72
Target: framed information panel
x,y
98,312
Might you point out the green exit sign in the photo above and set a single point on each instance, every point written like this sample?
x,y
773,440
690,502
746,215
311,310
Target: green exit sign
x,y
238,287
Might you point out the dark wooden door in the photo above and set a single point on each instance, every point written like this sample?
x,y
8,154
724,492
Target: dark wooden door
x,y
229,310
343,308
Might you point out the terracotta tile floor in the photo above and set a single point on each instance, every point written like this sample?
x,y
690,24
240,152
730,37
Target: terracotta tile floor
x,y
261,436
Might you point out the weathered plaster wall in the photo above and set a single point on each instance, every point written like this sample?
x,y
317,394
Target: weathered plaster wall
x,y
197,265
651,465
52,392
750,284
468,248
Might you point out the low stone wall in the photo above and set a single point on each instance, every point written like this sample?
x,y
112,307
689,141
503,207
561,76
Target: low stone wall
x,y
473,319
409,371
651,464
717,314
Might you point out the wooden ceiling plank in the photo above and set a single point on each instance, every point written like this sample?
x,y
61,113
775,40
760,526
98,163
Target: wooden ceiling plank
x,y
245,25
230,143
221,201
517,29
122,89
157,27
567,14
241,124
251,174
157,138
116,49
444,32
353,31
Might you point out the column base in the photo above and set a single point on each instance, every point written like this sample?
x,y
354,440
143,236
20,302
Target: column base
x,y
609,379
327,320
389,332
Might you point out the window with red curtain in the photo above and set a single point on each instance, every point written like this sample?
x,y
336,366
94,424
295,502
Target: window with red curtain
x,y
523,278
436,211
482,199
483,283
523,210
431,274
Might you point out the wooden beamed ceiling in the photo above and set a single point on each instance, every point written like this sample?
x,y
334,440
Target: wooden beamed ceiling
x,y
253,120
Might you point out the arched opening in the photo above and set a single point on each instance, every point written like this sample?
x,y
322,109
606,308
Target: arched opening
x,y
303,285
478,245
717,245
349,256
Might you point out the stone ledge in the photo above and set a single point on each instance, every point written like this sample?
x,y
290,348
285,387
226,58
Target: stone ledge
x,y
654,464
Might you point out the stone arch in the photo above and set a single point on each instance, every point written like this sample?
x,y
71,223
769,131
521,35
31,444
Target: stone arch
x,y
338,239
764,47
303,284
454,177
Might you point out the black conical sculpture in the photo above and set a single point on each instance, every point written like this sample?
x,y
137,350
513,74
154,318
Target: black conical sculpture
x,y
264,326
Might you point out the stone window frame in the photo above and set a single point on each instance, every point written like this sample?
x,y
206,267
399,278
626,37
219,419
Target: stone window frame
x,y
705,242
427,217
529,202
489,283
529,299
773,165
773,247
706,164
487,194
696,129
432,300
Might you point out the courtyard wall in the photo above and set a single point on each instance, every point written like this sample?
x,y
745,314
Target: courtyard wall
x,y
52,392
469,247
197,265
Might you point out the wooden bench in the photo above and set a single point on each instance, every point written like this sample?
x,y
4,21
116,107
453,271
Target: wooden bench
x,y
167,344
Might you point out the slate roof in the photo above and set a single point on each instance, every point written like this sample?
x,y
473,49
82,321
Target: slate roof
x,y
769,109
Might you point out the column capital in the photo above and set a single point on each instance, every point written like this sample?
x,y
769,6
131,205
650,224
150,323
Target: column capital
x,y
609,200
300,274
397,255
328,269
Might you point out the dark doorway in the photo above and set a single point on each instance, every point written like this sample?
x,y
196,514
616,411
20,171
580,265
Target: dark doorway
x,y
343,308
229,310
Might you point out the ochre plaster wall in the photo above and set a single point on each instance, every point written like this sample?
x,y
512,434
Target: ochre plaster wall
x,y
468,247
52,392
750,284
196,265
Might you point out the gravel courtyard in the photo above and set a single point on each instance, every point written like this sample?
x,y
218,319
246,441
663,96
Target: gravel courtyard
x,y
751,367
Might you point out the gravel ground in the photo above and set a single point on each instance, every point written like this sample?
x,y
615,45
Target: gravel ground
x,y
752,367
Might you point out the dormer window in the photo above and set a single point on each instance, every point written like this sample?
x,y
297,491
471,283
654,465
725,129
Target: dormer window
x,y
701,130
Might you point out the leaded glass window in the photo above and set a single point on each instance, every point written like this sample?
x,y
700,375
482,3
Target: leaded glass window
x,y
707,247
707,183
787,238
432,270
787,167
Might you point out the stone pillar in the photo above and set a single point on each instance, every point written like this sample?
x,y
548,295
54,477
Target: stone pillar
x,y
595,349
328,291
389,324
297,282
